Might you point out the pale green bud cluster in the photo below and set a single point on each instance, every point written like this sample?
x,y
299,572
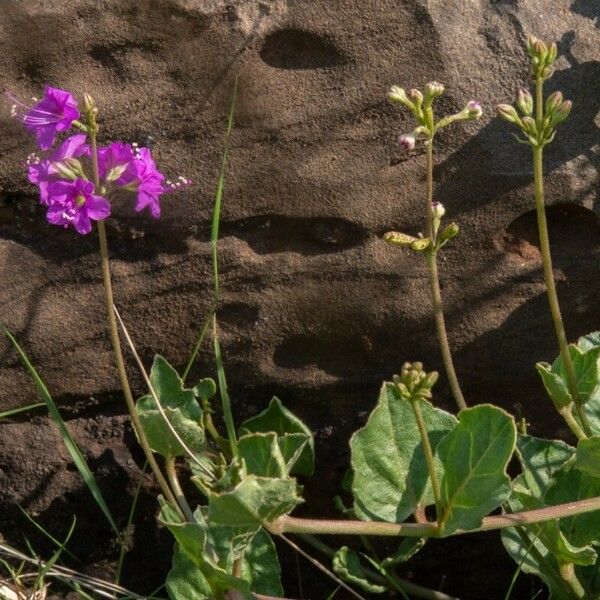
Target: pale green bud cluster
x,y
420,105
421,244
540,130
542,57
414,383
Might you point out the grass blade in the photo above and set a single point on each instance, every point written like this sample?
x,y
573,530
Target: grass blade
x,y
68,440
214,235
46,533
21,409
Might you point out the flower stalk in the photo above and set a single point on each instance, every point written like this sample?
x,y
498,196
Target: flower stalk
x,y
112,323
288,524
434,284
559,328
421,106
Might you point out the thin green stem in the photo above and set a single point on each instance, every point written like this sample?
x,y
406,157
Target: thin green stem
x,y
114,333
378,528
559,328
416,404
434,282
567,572
226,402
572,422
198,345
179,495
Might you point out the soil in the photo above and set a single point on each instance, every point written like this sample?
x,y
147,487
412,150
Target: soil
x,y
315,307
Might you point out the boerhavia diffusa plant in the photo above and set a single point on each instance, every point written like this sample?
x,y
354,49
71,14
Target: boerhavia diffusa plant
x,y
417,471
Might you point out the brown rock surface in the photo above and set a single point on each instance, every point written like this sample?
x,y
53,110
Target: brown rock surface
x,y
315,307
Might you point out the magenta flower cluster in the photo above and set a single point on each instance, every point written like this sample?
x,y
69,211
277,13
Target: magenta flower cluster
x,y
63,175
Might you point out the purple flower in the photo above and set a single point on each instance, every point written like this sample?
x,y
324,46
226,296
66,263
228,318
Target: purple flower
x,y
43,172
113,161
143,177
74,203
55,112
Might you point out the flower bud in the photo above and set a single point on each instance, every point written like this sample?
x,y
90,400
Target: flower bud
x,y
553,101
89,104
529,125
420,244
473,110
432,90
508,113
552,54
431,379
524,101
531,41
437,210
415,95
396,238
449,232
397,95
540,51
561,113
407,141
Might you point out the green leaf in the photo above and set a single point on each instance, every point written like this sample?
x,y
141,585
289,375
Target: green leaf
x,y
260,568
185,580
549,533
253,501
589,341
535,559
197,542
475,455
205,389
185,420
588,456
168,385
262,454
571,485
180,408
592,411
65,434
586,367
282,421
407,548
555,385
346,564
540,460
390,472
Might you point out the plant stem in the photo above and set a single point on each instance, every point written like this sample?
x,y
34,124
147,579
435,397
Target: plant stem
x,y
416,404
434,282
174,480
571,421
567,572
226,402
559,328
114,333
380,528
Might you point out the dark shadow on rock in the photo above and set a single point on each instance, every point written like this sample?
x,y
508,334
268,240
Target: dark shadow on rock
x,y
587,8
298,49
272,234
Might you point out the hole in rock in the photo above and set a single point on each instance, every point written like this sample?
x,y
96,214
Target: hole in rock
x,y
298,49
269,234
574,234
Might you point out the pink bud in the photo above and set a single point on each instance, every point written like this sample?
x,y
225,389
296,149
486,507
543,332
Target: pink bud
x,y
407,142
